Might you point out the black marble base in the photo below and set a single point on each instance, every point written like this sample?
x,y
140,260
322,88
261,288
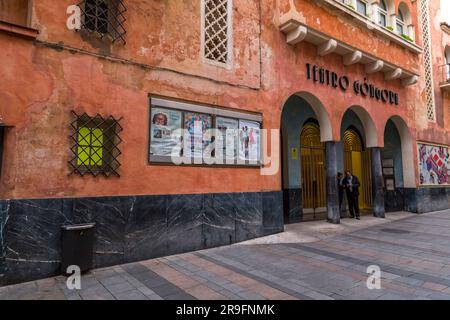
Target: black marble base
x,y
333,214
378,197
427,199
130,228
394,200
292,199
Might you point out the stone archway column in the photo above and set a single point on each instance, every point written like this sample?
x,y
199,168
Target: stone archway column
x,y
334,216
377,183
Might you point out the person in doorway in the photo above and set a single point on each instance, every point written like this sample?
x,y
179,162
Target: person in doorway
x,y
351,185
340,180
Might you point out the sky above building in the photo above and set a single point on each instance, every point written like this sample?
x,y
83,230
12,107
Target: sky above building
x,y
445,11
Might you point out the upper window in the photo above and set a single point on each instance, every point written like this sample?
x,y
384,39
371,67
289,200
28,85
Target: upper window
x,y
104,17
217,31
447,64
400,25
95,150
15,12
382,13
361,6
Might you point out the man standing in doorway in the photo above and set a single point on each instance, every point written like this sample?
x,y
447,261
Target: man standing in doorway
x,y
351,185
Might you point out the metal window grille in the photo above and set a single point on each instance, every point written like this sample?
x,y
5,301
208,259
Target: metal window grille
x,y
95,142
428,65
216,30
104,17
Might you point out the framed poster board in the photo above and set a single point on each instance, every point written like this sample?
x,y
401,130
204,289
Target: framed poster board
x,y
229,129
249,141
390,184
197,125
163,124
434,164
388,174
183,133
388,163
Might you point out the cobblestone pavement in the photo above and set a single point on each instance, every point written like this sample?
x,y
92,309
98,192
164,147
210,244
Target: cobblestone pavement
x,y
309,261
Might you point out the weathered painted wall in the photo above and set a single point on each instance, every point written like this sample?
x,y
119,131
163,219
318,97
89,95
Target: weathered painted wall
x,y
428,131
64,70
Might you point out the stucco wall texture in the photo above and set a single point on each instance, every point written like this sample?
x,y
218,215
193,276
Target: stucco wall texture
x,y
43,80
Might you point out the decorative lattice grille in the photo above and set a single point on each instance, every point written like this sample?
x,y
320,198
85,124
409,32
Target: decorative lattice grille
x,y
428,64
95,142
216,19
104,17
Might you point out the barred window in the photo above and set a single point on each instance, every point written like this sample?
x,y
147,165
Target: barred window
x,y
95,145
217,31
104,17
427,58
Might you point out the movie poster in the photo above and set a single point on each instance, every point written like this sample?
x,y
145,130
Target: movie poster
x,y
249,140
197,125
434,165
163,123
229,129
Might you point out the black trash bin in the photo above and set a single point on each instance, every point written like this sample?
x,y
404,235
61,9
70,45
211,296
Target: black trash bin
x,y
77,246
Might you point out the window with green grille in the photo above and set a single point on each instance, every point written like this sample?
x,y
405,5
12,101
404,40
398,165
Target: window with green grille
x,y
95,150
90,146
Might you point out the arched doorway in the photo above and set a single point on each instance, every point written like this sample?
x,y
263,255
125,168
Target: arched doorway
x,y
357,160
398,168
313,174
305,131
359,147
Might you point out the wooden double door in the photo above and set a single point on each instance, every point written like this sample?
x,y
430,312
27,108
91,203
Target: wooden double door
x,y
313,170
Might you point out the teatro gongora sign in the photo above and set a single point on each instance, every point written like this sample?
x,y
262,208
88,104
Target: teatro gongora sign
x,y
363,88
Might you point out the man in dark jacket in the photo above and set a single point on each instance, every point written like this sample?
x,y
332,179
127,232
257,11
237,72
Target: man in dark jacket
x,y
351,185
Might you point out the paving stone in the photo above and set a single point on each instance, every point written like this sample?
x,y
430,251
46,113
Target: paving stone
x,y
317,295
98,293
434,286
120,287
249,295
112,280
166,290
414,266
410,281
131,295
149,293
230,295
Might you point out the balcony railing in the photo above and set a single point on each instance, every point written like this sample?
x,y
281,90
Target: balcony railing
x,y
371,20
444,72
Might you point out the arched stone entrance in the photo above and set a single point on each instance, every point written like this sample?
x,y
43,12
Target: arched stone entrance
x,y
359,152
397,164
309,165
357,160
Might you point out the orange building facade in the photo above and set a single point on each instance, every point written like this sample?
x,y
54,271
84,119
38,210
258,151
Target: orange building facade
x,y
90,92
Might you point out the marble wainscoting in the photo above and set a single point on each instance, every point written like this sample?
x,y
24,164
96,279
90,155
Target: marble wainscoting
x,y
130,228
293,211
394,200
3,221
427,199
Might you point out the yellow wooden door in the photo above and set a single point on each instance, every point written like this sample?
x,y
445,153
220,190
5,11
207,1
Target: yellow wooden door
x,y
312,154
358,162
